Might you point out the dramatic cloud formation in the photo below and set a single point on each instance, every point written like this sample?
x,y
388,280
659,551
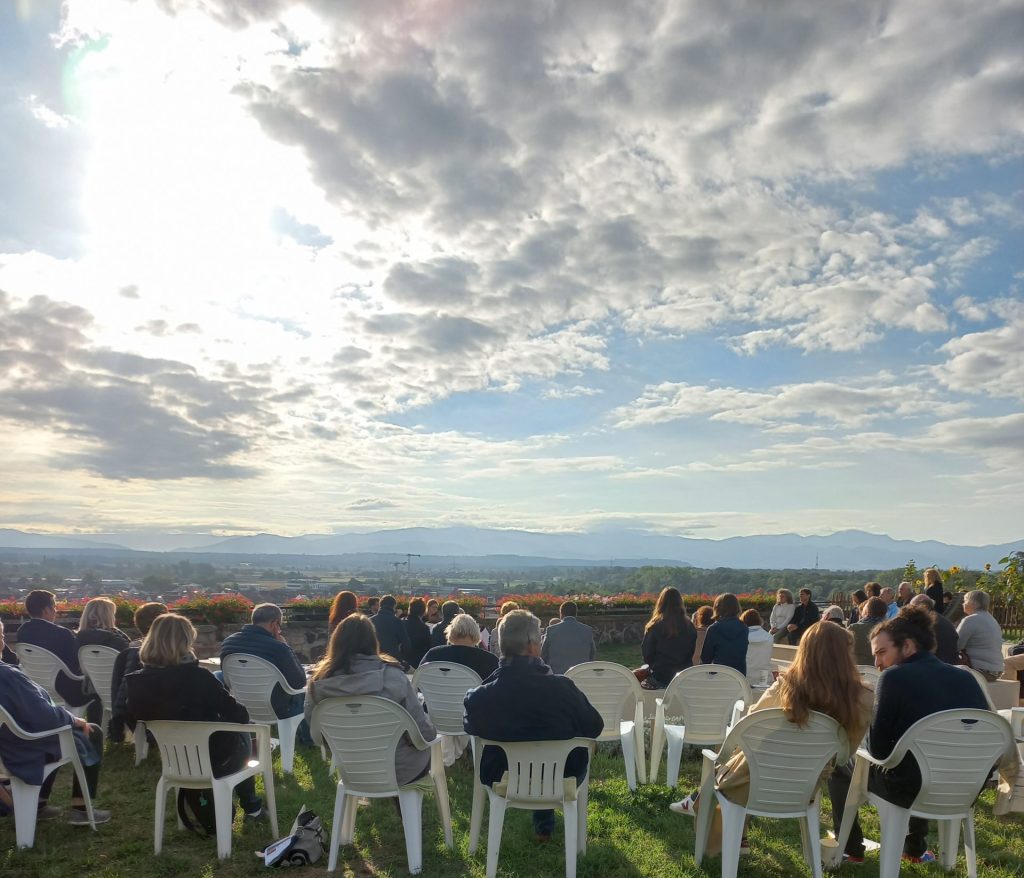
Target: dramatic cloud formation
x,y
514,264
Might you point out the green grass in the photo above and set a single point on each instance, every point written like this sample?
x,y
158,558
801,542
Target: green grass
x,y
630,834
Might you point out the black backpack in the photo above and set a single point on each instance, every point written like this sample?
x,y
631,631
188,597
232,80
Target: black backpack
x,y
195,808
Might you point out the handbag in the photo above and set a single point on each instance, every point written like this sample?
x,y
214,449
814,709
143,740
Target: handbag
x,y
303,846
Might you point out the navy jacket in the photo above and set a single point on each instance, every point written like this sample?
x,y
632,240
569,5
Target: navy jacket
x,y
62,643
419,639
473,657
33,711
257,641
726,644
920,686
804,616
524,701
391,634
947,641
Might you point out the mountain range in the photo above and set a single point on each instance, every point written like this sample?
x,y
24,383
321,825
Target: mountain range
x,y
845,550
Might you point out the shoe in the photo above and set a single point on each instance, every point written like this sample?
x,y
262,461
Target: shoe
x,y
687,806
856,861
926,857
744,846
48,812
256,816
78,817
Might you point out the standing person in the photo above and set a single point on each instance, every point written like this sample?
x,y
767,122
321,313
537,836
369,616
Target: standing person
x,y
98,626
391,634
702,620
172,686
128,662
947,643
42,630
726,641
439,633
263,638
822,678
914,684
464,648
670,640
417,631
933,588
524,701
30,707
872,614
781,615
980,639
345,603
568,643
759,649
857,601
804,616
354,665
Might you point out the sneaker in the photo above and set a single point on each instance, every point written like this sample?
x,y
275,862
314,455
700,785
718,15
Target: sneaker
x,y
256,816
48,812
855,860
687,806
926,857
78,817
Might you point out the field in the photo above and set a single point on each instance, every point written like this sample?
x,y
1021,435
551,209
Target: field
x,y
630,834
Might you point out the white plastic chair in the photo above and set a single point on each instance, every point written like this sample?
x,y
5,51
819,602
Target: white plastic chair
x,y
42,667
610,687
444,686
785,762
955,751
869,674
251,681
362,733
535,781
98,665
185,753
982,682
710,698
26,796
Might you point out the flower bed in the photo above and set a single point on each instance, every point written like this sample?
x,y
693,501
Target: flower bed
x,y
546,606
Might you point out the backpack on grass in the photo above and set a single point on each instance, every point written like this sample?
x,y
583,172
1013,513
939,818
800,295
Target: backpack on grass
x,y
195,808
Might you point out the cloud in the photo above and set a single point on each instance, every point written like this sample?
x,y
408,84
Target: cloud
x,y
570,392
990,362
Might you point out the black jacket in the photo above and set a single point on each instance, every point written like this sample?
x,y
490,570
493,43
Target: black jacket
x,y
419,639
726,644
668,654
947,641
391,634
473,657
61,642
524,701
804,616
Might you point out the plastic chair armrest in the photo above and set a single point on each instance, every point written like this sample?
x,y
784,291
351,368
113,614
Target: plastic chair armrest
x,y
46,733
888,762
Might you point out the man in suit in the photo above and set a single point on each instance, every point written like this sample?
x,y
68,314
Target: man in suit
x,y
391,631
914,684
41,630
524,701
568,643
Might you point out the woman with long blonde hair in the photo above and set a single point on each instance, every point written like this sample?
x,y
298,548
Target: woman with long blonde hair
x,y
822,678
98,626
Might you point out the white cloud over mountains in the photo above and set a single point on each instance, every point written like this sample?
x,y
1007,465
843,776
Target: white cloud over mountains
x,y
451,252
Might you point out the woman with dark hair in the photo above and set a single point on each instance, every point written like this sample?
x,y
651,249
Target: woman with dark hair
x,y
669,640
345,603
822,678
857,599
354,666
702,620
419,633
726,640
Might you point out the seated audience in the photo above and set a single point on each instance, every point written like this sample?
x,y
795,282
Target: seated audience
x,y
354,665
726,640
503,611
891,607
547,707
433,612
702,620
263,638
980,639
128,662
947,645
464,648
873,589
417,631
98,626
345,603
904,594
857,600
391,634
568,643
805,615
172,686
834,613
781,615
31,708
372,605
872,614
670,640
822,678
759,649
439,633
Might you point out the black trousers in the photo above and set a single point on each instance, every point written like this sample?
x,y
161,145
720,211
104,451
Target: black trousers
x,y
92,773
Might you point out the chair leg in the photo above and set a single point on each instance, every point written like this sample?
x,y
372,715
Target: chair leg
x,y
159,812
496,821
657,741
805,840
286,731
732,831
949,842
970,849
675,755
638,734
705,810
813,822
141,742
476,817
222,808
340,803
894,823
411,803
582,801
271,799
629,756
570,813
26,804
444,808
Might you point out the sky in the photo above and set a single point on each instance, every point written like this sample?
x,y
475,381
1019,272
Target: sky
x,y
683,267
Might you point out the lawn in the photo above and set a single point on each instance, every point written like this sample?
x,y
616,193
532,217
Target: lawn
x,y
630,834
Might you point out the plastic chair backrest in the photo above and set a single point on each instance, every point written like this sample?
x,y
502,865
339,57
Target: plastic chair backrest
x,y
704,696
362,732
536,769
184,749
982,682
955,750
251,681
42,667
609,687
98,665
444,686
785,760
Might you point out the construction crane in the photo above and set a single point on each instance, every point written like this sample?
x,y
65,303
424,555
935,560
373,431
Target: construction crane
x,y
408,562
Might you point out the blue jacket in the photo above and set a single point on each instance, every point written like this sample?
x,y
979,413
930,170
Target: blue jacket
x,y
32,709
257,641
524,701
391,634
726,644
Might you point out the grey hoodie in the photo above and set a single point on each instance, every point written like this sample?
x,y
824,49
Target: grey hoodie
x,y
371,676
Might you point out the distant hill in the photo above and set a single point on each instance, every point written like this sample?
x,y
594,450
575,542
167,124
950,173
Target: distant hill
x,y
846,550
